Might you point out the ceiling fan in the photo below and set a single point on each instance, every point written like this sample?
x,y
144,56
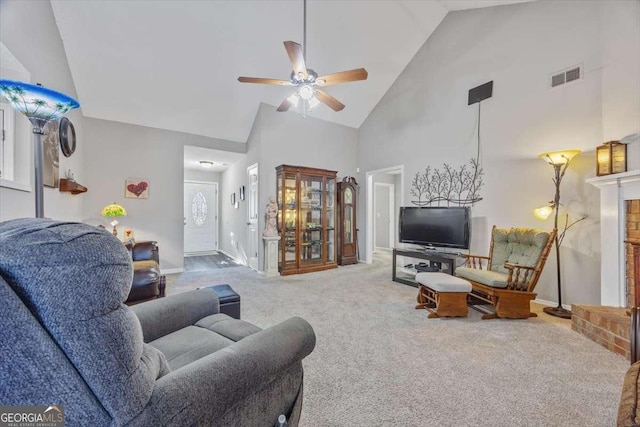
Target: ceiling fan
x,y
306,80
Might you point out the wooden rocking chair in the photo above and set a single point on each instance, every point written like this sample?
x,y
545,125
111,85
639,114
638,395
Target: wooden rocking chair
x,y
506,278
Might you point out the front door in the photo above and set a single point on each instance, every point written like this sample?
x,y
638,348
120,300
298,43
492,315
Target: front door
x,y
200,217
253,237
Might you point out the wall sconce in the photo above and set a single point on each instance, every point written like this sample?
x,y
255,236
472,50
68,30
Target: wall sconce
x,y
611,157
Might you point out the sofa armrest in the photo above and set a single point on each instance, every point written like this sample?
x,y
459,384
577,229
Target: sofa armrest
x,y
163,316
519,276
203,391
475,261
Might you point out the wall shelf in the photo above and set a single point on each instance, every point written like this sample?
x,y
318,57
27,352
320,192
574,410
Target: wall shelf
x,y
70,186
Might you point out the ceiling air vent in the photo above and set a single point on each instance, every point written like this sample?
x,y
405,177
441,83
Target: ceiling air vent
x,y
566,76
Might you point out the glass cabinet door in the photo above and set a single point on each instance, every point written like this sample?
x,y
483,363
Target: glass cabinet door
x,y
288,237
331,220
311,221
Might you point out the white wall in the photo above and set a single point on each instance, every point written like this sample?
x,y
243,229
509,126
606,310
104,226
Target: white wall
x,y
29,31
117,151
202,175
424,118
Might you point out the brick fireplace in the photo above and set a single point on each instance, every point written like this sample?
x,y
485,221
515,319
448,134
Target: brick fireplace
x,y
608,324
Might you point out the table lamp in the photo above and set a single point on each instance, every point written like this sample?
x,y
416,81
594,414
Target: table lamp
x,y
40,105
114,210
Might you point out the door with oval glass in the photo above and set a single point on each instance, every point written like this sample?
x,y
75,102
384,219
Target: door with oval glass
x,y
200,217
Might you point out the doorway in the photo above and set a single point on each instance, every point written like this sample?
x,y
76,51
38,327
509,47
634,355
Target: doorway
x,y
253,239
392,175
384,207
200,217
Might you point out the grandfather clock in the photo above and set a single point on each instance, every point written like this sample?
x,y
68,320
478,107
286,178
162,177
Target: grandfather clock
x,y
347,236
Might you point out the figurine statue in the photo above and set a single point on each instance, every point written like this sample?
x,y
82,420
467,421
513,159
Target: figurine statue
x,y
271,229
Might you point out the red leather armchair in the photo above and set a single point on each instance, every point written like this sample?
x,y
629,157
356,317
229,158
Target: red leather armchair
x,y
148,282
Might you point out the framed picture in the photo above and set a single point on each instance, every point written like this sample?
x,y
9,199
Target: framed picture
x,y
136,188
242,192
51,154
233,199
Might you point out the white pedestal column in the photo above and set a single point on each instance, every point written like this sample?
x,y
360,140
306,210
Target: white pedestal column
x,y
271,256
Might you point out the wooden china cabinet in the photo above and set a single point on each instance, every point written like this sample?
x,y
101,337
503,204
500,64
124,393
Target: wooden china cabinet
x,y
306,219
347,236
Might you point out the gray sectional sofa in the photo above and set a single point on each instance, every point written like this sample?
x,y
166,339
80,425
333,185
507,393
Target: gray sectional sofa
x,y
68,340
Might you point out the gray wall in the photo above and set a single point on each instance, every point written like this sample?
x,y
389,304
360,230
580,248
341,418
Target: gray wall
x,y
117,151
29,31
284,138
424,119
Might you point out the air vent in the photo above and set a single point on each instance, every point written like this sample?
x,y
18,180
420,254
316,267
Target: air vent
x,y
557,80
566,76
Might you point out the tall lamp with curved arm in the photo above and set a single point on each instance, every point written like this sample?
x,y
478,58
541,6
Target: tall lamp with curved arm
x,y
560,161
40,105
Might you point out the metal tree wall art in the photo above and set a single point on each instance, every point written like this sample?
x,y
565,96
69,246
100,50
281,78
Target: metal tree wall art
x,y
458,186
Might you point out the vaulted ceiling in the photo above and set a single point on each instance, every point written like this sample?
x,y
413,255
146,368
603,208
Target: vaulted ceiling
x,y
174,64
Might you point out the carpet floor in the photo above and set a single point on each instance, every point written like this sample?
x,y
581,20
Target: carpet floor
x,y
380,362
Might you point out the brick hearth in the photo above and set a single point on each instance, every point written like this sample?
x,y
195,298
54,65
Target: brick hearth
x,y
608,326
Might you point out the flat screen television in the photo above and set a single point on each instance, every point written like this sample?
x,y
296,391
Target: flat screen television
x,y
447,227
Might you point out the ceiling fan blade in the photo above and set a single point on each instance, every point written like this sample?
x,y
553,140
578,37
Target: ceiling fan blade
x,y
329,100
294,50
343,77
264,81
286,104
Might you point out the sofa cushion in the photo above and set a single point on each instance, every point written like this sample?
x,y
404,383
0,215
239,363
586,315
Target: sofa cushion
x,y
628,408
485,277
45,262
189,344
522,246
35,370
208,335
228,327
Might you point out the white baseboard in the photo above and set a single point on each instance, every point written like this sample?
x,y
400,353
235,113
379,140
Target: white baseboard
x,y
552,303
205,253
171,270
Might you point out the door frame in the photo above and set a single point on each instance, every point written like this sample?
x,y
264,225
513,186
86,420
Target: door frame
x,y
392,202
257,168
369,203
217,217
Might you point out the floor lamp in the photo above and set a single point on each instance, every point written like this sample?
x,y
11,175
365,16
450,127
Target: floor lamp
x,y
40,105
560,161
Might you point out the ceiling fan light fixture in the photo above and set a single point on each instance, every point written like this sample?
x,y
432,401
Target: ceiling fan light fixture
x,y
313,102
305,92
293,99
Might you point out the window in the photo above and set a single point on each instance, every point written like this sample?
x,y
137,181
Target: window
x,y
15,130
199,209
7,141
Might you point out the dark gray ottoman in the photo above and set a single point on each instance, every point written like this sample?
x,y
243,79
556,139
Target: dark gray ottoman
x,y
229,300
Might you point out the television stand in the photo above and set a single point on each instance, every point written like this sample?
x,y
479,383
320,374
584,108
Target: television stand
x,y
443,261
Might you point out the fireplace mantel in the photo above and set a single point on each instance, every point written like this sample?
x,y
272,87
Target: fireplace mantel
x,y
614,191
